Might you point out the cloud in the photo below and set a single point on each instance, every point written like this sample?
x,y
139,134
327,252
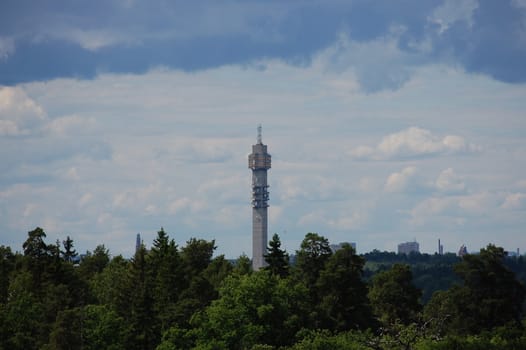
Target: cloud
x,y
449,182
70,124
377,64
94,40
470,209
515,201
383,42
122,154
399,182
413,142
452,11
19,114
351,221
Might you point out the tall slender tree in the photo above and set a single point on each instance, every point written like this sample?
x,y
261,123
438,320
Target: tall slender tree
x,y
276,258
68,254
142,312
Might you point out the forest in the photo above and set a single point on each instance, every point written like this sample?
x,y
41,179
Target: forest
x,y
171,297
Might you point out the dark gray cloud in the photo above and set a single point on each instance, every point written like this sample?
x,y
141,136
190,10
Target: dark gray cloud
x,y
49,39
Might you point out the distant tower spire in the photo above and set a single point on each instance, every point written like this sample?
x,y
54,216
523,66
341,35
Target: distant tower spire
x,y
259,135
138,242
259,162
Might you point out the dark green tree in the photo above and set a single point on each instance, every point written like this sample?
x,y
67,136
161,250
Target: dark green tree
x,y
7,266
311,258
277,259
68,254
112,286
37,256
168,279
490,295
67,331
95,262
342,292
196,256
34,246
393,297
218,269
142,318
23,315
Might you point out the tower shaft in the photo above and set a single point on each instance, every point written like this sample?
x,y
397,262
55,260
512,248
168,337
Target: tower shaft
x,y
259,161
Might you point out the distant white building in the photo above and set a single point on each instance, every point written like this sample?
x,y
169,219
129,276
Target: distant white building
x,y
408,247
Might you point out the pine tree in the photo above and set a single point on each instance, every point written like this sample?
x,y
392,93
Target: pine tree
x,y
276,258
68,254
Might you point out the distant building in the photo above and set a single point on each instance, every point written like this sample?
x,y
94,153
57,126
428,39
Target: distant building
x,y
335,247
440,248
408,247
463,250
138,242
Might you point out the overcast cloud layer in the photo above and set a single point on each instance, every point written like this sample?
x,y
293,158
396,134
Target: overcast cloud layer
x,y
387,121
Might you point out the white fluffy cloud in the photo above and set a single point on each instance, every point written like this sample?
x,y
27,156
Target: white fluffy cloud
x,y
19,114
398,182
412,143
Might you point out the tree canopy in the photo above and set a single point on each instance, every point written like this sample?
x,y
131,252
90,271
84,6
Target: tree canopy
x,y
184,297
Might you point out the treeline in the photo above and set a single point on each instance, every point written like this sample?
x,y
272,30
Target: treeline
x,y
171,297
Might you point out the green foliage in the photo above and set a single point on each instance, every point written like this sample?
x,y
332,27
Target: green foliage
x,y
111,286
167,278
196,256
67,331
103,328
431,272
176,338
490,296
243,265
277,259
23,314
393,297
324,340
7,265
342,293
310,259
253,309
141,303
68,254
95,262
196,301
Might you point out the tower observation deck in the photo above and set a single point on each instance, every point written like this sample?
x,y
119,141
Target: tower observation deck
x,y
259,162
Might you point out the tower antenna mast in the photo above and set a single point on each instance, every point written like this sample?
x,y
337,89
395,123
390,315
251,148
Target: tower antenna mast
x,y
260,139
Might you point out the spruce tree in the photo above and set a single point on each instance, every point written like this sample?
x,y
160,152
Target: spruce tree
x,y
277,258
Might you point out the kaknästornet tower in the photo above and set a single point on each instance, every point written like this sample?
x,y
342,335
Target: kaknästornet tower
x,y
259,162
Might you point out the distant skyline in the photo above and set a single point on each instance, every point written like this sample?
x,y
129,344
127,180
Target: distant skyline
x,y
387,121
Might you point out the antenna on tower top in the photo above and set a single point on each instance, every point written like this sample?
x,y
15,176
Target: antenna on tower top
x,y
259,134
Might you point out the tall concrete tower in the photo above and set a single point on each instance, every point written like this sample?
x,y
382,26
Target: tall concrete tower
x,y
259,162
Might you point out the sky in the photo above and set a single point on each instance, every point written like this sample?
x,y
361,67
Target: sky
x,y
387,121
